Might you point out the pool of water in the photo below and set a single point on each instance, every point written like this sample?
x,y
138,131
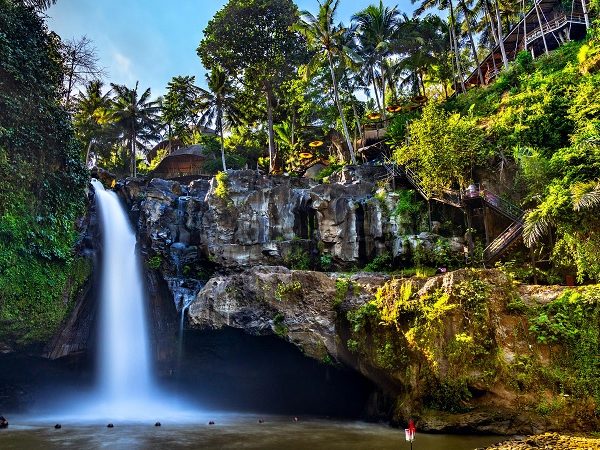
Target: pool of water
x,y
228,432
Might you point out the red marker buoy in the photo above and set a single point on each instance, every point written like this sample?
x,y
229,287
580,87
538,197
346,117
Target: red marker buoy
x,y
410,432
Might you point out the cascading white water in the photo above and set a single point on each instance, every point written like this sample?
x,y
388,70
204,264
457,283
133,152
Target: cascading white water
x,y
125,389
124,357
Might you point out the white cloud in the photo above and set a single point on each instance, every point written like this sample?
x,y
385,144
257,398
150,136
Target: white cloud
x,y
123,67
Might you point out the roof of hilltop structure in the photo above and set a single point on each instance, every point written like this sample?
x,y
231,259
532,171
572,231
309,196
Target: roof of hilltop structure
x,y
558,25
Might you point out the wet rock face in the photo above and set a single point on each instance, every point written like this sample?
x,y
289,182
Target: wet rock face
x,y
413,362
299,306
253,219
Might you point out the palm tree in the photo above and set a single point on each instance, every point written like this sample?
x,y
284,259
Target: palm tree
x,y
448,4
423,43
323,37
92,121
218,104
586,195
136,116
467,23
39,4
377,26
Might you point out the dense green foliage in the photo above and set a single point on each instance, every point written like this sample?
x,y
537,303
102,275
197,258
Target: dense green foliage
x,y
180,108
262,54
453,340
539,125
572,320
42,182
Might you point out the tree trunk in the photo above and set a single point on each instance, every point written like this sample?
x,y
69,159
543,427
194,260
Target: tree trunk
x,y
381,65
357,119
133,165
341,110
525,27
491,20
471,41
585,14
273,163
456,47
537,11
500,35
87,153
294,130
453,65
70,83
220,124
170,137
375,90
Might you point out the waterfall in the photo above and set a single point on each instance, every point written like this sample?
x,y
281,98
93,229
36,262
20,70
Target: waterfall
x,y
124,369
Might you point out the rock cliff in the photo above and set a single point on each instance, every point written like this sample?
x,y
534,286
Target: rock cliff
x,y
468,350
454,351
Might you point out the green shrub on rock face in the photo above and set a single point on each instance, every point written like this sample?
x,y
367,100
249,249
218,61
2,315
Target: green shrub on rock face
x,y
288,291
297,259
573,320
155,262
381,263
222,187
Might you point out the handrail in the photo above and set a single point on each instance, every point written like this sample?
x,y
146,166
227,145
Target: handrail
x,y
455,198
503,206
553,25
503,241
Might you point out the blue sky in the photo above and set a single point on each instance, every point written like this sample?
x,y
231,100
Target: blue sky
x,y
154,40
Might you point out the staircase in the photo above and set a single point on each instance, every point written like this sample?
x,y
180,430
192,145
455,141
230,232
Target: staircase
x,y
455,198
508,237
502,243
447,196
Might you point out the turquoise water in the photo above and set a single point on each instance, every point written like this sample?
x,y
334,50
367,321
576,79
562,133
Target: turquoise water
x,y
228,432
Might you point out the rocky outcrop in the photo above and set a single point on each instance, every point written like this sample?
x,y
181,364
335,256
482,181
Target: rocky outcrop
x,y
245,219
300,306
552,441
452,351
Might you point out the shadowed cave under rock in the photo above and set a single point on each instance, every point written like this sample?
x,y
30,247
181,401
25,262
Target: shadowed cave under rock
x,y
220,370
229,369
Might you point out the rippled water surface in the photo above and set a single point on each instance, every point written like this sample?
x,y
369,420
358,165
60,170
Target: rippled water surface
x,y
228,432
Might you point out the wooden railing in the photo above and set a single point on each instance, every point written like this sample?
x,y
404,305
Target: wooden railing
x,y
499,245
553,25
456,198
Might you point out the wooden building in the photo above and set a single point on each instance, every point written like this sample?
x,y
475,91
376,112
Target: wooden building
x,y
183,162
543,28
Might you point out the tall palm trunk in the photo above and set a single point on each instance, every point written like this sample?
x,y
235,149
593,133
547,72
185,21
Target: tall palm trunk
x,y
220,124
273,163
375,89
381,65
471,40
357,119
87,153
456,47
341,110
586,15
537,11
133,165
500,34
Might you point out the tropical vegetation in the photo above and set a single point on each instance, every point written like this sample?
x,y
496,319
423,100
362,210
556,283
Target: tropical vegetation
x,y
290,89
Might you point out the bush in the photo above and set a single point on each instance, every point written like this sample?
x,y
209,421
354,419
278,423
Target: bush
x,y
288,291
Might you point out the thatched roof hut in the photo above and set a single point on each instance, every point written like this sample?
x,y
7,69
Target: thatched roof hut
x,y
183,162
